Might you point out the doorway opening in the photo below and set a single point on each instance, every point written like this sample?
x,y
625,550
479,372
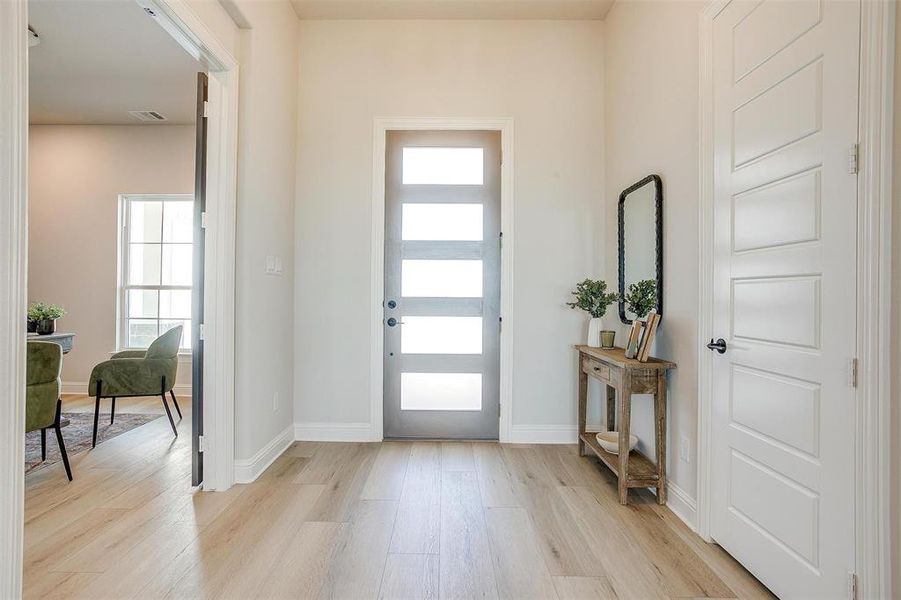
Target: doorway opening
x,y
458,382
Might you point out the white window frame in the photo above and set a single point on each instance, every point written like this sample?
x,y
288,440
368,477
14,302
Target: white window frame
x,y
122,286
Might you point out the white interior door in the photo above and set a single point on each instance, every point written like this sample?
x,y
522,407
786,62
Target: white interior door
x,y
785,118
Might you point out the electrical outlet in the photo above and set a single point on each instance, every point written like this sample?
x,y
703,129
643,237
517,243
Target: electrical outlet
x,y
685,449
275,402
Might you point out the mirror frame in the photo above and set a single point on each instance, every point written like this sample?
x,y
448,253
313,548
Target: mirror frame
x,y
658,200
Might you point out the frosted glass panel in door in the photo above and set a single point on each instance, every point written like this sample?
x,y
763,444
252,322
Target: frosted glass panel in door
x,y
442,222
442,166
441,335
441,278
440,391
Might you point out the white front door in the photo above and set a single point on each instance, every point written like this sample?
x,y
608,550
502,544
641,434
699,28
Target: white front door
x,y
785,85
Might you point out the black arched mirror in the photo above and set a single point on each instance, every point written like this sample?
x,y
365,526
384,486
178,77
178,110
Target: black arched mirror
x,y
641,244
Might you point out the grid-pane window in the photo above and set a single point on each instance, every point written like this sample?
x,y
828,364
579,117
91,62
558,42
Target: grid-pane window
x,y
156,257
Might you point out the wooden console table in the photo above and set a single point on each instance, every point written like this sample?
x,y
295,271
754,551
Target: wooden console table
x,y
626,376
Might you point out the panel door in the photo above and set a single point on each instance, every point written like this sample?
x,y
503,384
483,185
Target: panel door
x,y
785,117
442,284
198,287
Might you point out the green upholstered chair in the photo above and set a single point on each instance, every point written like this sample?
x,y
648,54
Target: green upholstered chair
x,y
43,363
138,373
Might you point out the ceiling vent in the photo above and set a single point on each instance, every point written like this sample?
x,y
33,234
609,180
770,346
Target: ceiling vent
x,y
147,115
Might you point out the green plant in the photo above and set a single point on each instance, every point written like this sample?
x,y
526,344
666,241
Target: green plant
x,y
41,311
593,298
641,297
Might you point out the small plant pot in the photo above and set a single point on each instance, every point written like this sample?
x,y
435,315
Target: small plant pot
x,y
595,325
32,326
45,326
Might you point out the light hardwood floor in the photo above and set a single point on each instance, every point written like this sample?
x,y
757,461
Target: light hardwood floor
x,y
353,520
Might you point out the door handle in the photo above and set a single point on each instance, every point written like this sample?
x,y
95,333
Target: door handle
x,y
392,322
719,345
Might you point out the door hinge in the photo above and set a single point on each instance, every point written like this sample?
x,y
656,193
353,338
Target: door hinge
x,y
500,240
201,443
206,108
200,331
854,159
500,324
203,220
852,586
853,372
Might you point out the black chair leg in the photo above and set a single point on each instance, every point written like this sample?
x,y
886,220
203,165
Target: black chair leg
x,y
169,414
96,417
43,444
112,412
59,440
175,402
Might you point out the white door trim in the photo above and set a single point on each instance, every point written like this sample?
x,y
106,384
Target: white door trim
x,y
382,125
13,272
873,288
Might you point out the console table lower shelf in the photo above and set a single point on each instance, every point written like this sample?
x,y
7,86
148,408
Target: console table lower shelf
x,y
642,471
623,377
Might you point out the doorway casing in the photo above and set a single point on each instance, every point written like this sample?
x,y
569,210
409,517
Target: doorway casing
x,y
381,126
873,285
183,24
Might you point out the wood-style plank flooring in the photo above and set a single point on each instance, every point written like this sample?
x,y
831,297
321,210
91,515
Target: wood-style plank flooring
x,y
354,520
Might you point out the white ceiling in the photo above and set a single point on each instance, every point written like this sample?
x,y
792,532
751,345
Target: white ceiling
x,y
99,59
452,9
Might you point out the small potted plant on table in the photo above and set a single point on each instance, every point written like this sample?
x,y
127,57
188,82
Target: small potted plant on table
x,y
592,297
44,317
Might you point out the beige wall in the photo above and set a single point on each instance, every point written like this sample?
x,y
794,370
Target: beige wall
x,y
76,173
267,138
651,126
548,77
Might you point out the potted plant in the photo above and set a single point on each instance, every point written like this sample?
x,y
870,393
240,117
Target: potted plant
x,y
641,298
44,317
592,297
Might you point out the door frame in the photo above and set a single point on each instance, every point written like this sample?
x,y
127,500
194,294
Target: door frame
x,y
189,31
180,21
873,394
381,125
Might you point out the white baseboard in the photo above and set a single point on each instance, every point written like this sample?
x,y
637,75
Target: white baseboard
x,y
334,432
543,434
247,470
81,387
683,505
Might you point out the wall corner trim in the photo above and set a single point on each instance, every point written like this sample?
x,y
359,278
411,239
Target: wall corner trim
x,y
247,470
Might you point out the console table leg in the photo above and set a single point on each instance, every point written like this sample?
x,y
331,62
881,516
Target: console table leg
x,y
583,406
660,413
625,420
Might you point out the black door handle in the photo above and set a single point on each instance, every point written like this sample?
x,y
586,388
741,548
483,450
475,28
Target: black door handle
x,y
719,345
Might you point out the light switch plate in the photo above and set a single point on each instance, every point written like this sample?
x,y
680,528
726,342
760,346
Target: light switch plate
x,y
273,265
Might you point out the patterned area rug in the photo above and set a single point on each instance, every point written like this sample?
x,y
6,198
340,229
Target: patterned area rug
x,y
77,435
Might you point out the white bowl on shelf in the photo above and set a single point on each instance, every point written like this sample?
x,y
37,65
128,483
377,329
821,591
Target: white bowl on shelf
x,y
609,441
